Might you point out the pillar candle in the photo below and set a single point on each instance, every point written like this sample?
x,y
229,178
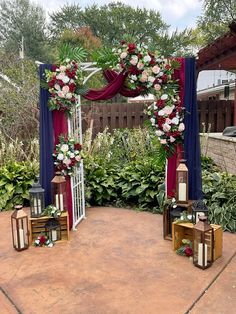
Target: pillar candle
x,y
57,201
61,202
54,235
21,238
39,206
35,206
182,191
200,254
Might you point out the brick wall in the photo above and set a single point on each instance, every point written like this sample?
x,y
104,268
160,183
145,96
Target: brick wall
x,y
221,149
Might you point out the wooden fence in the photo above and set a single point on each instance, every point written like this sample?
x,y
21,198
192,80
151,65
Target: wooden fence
x,y
215,115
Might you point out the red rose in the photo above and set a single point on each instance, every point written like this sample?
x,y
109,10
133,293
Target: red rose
x,y
72,87
52,83
42,240
160,103
188,251
140,56
131,47
172,115
123,42
164,78
60,82
133,70
54,68
152,62
77,146
167,67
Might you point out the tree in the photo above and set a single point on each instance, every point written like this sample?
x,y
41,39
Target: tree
x,y
216,17
21,19
110,22
19,97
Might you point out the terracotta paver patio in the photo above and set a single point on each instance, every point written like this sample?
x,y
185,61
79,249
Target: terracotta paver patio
x,y
116,262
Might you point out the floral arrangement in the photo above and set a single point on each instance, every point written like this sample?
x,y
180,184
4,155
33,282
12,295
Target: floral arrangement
x,y
185,249
43,240
67,155
52,211
152,74
63,83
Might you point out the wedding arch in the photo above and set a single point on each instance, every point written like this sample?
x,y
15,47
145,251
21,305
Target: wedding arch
x,y
132,79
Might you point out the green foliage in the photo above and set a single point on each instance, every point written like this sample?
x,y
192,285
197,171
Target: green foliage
x,y
15,181
66,51
220,195
124,169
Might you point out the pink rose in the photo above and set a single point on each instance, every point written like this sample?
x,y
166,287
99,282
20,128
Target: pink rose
x,y
156,69
140,65
123,55
163,141
166,127
143,78
157,87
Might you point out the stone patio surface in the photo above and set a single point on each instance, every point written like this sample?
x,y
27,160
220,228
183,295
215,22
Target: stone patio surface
x,y
116,262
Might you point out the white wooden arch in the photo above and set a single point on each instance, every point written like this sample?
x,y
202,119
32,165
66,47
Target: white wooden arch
x,y
75,129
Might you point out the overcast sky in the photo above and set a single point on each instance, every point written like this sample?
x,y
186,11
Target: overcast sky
x,y
178,13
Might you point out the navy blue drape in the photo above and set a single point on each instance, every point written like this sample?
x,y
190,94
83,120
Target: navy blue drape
x,y
191,139
46,139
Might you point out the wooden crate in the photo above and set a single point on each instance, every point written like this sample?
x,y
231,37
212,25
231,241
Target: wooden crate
x,y
185,231
36,226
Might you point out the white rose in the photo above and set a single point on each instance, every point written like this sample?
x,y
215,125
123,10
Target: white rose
x,y
140,65
168,121
159,133
61,94
175,121
156,69
68,95
151,79
164,97
153,121
147,58
168,109
161,113
166,127
60,156
181,127
123,55
72,155
60,76
134,77
172,139
65,79
57,87
163,141
67,60
157,87
160,74
64,148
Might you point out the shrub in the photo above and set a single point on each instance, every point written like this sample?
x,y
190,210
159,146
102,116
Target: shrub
x,y
15,180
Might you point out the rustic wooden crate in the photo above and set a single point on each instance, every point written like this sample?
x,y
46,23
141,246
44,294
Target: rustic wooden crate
x,y
36,226
182,231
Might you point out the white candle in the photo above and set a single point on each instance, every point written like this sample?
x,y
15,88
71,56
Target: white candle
x,y
39,206
200,254
54,235
21,238
182,191
35,206
198,215
61,202
57,201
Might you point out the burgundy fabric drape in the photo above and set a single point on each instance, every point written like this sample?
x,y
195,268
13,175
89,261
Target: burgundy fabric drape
x,y
60,126
173,161
115,86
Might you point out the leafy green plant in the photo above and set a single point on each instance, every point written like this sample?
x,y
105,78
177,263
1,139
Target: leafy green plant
x,y
15,181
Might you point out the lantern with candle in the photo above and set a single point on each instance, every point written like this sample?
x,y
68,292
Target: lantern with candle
x,y
203,241
53,230
199,208
20,229
59,191
182,183
36,194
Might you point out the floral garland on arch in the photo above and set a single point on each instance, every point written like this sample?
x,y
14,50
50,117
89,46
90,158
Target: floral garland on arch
x,y
67,155
63,83
151,73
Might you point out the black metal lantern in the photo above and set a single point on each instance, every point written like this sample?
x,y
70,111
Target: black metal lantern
x,y
53,230
59,191
182,183
203,242
199,208
20,229
36,194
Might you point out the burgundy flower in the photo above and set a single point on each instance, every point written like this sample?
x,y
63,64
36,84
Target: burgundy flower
x,y
152,62
72,87
140,56
164,78
160,103
54,68
172,115
77,146
133,70
42,240
131,47
188,251
167,67
123,42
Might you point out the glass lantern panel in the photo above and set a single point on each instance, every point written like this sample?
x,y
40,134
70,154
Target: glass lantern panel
x,y
14,233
